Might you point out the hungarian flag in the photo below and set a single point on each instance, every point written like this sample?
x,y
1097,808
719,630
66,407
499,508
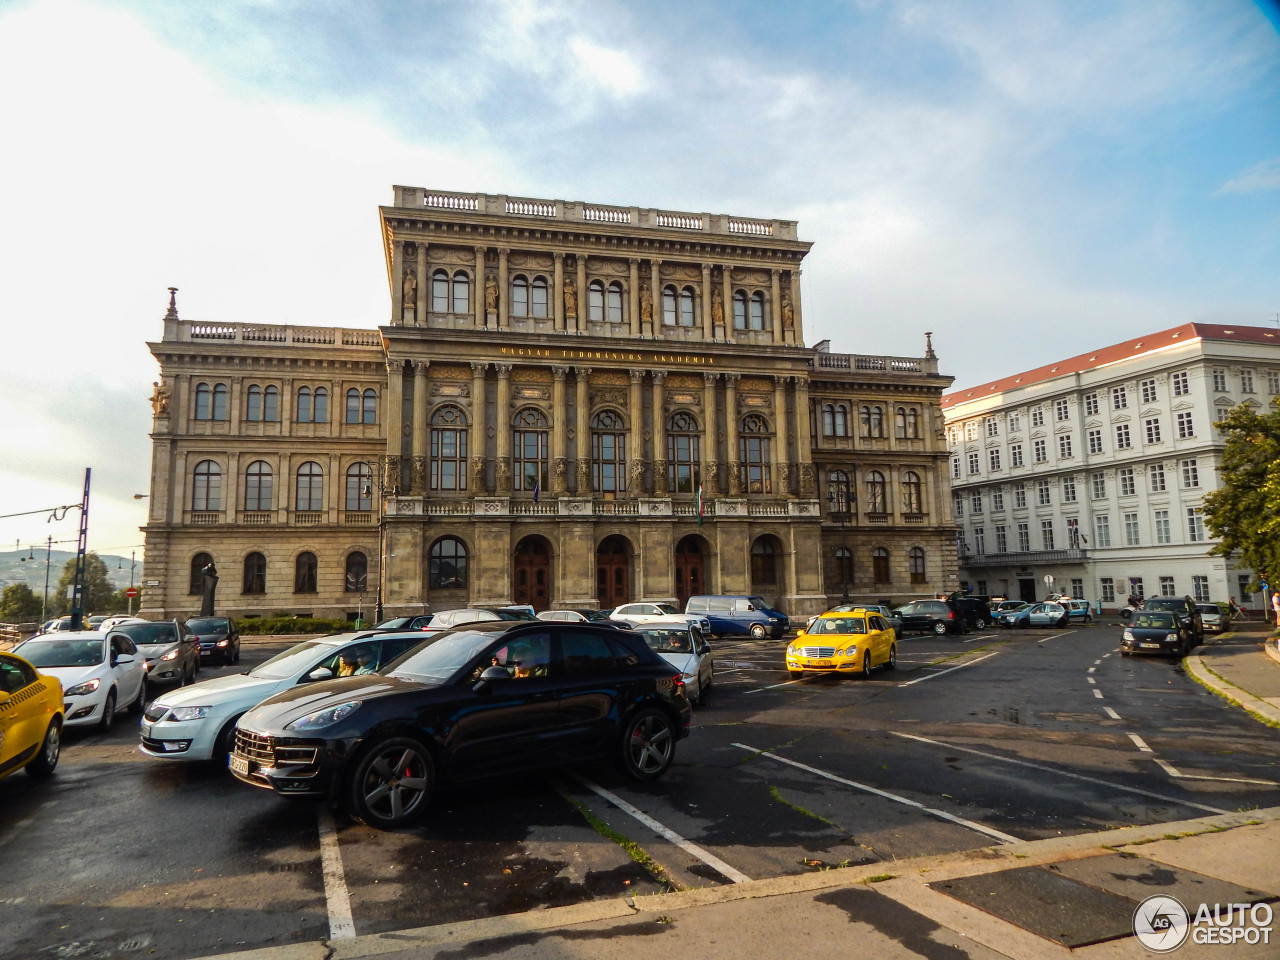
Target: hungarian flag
x,y
699,503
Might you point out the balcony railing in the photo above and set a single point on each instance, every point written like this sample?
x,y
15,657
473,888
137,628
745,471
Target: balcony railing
x,y
1029,558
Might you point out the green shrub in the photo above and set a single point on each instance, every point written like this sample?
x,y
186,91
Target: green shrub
x,y
286,625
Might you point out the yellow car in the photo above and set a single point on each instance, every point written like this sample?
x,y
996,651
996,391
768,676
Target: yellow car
x,y
856,641
30,718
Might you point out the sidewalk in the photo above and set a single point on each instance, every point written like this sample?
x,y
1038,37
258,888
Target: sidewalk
x,y
1242,665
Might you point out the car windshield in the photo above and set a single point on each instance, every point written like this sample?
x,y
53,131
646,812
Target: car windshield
x,y
666,639
514,615
1157,621
293,661
214,625
840,625
148,634
439,661
395,623
62,653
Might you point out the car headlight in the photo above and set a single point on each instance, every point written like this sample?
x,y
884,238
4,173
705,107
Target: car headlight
x,y
1171,637
81,689
324,718
189,713
221,643
171,655
1128,635
791,650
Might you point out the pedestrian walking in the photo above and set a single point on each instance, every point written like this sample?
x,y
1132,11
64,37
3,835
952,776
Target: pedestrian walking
x,y
1275,605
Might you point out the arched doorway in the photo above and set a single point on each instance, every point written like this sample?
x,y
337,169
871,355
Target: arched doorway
x,y
690,569
532,573
613,572
766,566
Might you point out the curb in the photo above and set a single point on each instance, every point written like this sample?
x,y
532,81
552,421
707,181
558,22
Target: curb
x,y
1203,674
1272,648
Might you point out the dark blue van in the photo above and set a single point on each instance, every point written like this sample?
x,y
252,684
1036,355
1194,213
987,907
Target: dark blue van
x,y
735,616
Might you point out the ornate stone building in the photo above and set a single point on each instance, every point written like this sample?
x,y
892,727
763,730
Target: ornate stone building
x,y
572,405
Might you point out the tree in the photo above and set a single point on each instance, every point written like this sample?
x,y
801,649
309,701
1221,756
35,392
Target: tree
x,y
1244,513
18,604
96,595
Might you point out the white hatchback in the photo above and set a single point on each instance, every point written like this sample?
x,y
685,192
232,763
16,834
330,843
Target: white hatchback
x,y
647,612
100,675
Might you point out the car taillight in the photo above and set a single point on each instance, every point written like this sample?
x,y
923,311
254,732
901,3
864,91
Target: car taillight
x,y
951,615
678,680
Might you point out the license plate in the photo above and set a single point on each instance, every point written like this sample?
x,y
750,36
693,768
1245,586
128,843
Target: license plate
x,y
238,765
1149,646
820,663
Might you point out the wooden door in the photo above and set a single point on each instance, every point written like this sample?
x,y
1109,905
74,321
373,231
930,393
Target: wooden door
x,y
689,570
613,573
532,573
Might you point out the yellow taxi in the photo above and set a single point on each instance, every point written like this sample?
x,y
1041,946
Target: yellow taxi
x,y
855,641
30,718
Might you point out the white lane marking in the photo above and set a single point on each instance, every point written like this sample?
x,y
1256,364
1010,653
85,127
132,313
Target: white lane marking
x,y
1095,663
695,851
1092,669
336,895
1111,713
1064,633
943,672
1169,769
1097,693
1091,680
775,686
1105,655
1140,743
1061,773
980,828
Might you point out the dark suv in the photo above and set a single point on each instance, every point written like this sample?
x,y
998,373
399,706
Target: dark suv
x,y
218,638
976,611
1187,613
931,616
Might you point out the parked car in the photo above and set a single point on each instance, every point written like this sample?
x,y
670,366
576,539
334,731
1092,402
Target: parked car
x,y
856,641
682,644
118,619
198,722
735,616
55,625
1156,631
94,622
975,610
1186,610
416,622
30,718
1078,611
171,650
218,638
884,611
1036,615
476,702
1212,618
634,614
930,616
1004,605
101,673
581,615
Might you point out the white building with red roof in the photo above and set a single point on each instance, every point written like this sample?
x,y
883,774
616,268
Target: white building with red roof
x,y
1092,471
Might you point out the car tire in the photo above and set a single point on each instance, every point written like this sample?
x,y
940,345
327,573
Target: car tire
x,y
225,742
379,795
866,665
648,744
140,701
1063,623
757,631
108,712
979,623
796,674
236,658
42,766
892,663
940,628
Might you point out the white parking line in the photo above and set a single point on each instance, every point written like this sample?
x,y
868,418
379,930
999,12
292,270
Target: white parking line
x,y
942,672
1111,713
1061,773
775,686
980,828
1091,680
337,897
1097,693
1140,743
1095,663
1052,635
666,833
1092,669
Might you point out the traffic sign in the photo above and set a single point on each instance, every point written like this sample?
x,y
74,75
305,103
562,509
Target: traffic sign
x,y
131,592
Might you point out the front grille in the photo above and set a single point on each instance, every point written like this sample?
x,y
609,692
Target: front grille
x,y
818,653
256,747
155,711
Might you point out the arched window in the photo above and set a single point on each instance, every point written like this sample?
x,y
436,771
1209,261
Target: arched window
x,y
320,411
764,562
829,419
615,302
461,292
529,450
198,563
595,301
440,292
356,575
684,454
448,449
304,572
302,408
757,311
915,563
841,420
258,479
271,404
255,574
872,420
447,564
220,409
519,296
369,409
880,565
843,566
907,423
206,486
840,491
353,405
912,493
740,310
669,306
204,402
877,498
608,452
754,452
253,402
687,312
539,298
309,490
359,492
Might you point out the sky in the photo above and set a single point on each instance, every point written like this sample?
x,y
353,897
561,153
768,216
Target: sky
x,y
1027,179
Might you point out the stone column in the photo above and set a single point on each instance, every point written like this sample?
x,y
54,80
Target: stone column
x,y
804,441
795,304
635,453
660,485
580,322
397,282
394,418
557,294
504,292
633,297
559,438
582,431
478,432
655,297
775,304
731,431
781,454
710,433
478,318
502,424
708,321
420,308
727,290
418,474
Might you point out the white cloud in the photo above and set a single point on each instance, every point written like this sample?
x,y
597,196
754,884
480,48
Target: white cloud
x,y
1263,177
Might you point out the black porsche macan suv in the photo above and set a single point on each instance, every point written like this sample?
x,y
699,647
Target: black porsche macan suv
x,y
481,700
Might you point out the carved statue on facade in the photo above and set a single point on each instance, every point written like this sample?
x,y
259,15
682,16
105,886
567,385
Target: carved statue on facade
x,y
646,305
490,295
391,476
807,486
409,289
784,479
636,469
659,477
160,395
504,475
570,297
479,474
788,313
717,307
711,478
735,479
418,481
560,476
584,478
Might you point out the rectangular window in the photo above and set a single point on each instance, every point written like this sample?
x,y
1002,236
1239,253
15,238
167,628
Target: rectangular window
x,y
1200,589
1128,483
1181,384
955,468
1190,474
1068,489
1153,429
1091,404
1019,495
1148,391
1119,398
975,503
971,430
1046,533
979,540
1064,446
997,500
1042,493
1220,381
1167,588
1131,530
1024,538
1061,410
1002,540
1095,441
1099,483
1102,530
957,505
982,588
1155,473
1186,424
993,458
1077,588
1242,587
1195,525
1041,451
993,428
1122,436
1108,590
1015,454
1015,422
1160,521
1037,416
1246,381
1273,381
975,466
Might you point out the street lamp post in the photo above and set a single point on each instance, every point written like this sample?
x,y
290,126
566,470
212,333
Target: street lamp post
x,y
48,556
840,499
366,492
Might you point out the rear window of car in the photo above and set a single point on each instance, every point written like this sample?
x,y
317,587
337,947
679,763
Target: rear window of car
x,y
1208,608
148,633
214,625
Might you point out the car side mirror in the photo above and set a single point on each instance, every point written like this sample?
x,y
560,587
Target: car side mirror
x,y
5,697
121,658
801,632
491,674
320,673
